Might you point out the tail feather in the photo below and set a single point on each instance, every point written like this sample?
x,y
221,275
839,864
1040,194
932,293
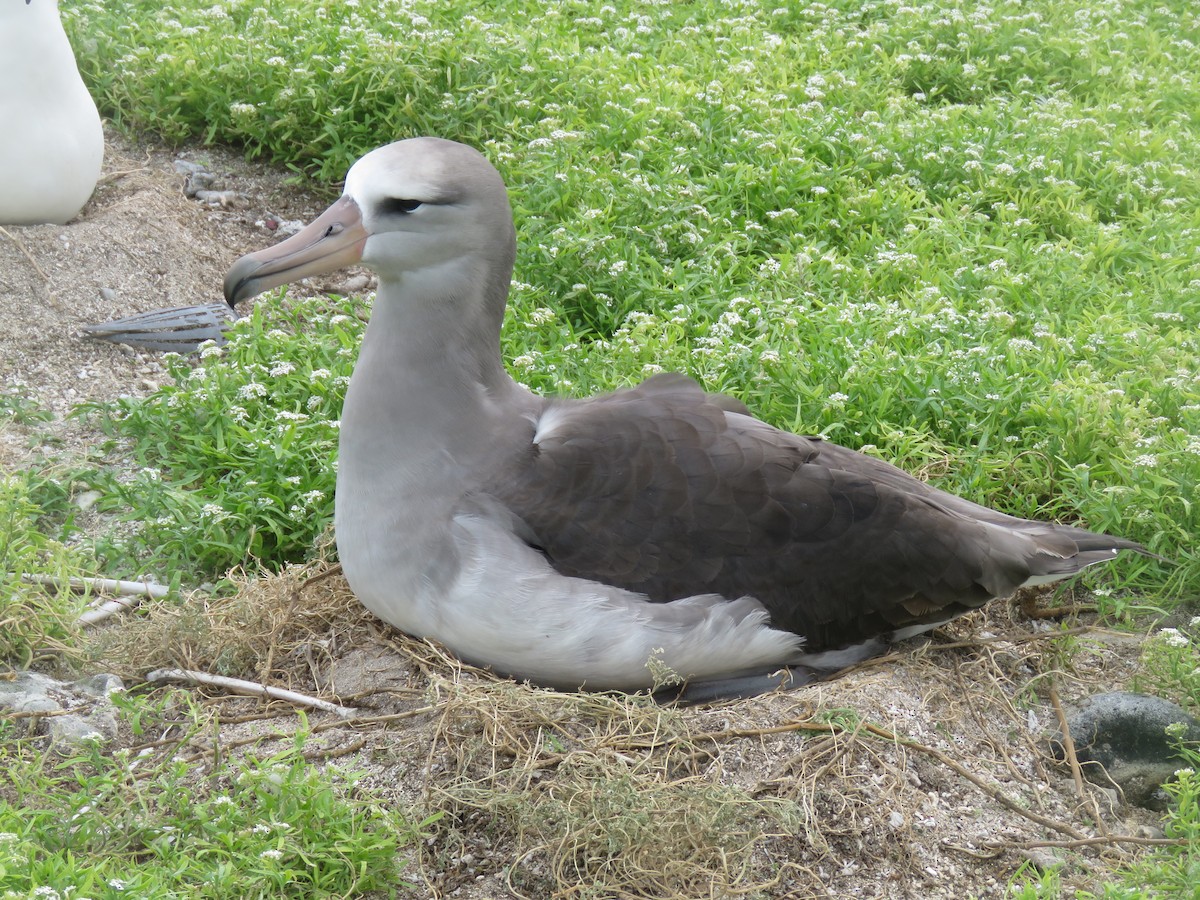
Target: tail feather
x,y
1086,548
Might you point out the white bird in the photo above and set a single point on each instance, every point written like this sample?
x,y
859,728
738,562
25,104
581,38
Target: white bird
x,y
51,140
587,543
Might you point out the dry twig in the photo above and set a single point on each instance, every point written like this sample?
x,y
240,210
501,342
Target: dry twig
x,y
250,689
130,594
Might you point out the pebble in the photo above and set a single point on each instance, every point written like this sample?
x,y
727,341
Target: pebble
x,y
87,500
352,285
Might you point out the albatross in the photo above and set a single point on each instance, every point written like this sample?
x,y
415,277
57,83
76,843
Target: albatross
x,y
598,543
52,145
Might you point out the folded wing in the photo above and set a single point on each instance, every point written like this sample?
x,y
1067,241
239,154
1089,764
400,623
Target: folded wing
x,y
669,491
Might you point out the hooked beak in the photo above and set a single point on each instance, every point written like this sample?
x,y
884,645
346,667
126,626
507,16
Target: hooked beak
x,y
332,241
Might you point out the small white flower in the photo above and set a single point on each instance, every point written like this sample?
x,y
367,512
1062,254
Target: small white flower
x,y
1172,637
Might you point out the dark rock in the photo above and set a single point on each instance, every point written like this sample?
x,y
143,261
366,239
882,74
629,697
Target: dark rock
x,y
1121,738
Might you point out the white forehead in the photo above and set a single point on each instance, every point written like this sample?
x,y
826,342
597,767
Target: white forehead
x,y
404,169
427,169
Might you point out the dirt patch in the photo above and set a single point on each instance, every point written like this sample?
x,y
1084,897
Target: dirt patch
x,y
140,244
921,775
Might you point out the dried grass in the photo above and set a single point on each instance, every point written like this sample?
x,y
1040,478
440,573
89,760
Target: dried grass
x,y
281,628
920,775
560,781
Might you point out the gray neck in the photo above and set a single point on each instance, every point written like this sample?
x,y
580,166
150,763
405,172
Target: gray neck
x,y
429,382
428,405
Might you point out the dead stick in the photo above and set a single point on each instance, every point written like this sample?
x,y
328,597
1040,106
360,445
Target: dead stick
x,y
335,569
110,585
250,688
1073,760
991,790
1090,842
131,594
106,609
1068,743
36,713
1013,638
1057,612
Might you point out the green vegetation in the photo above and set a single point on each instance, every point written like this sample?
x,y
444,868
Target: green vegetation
x,y
102,826
962,236
1169,665
32,617
238,455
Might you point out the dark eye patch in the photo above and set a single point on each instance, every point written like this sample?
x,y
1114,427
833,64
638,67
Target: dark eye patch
x,y
398,206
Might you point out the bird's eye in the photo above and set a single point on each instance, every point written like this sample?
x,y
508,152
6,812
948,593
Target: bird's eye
x,y
398,206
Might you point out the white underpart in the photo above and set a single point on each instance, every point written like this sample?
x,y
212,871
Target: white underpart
x,y
52,142
506,608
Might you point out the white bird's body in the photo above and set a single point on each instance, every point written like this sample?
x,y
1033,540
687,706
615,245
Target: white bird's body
x,y
52,142
589,543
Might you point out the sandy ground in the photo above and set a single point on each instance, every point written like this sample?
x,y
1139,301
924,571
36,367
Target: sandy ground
x,y
139,244
883,819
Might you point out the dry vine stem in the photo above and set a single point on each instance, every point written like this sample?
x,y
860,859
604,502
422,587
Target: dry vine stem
x,y
833,728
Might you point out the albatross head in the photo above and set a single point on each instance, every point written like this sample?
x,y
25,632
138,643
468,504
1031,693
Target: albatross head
x,y
416,206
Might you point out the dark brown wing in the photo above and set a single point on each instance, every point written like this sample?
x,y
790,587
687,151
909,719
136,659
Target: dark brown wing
x,y
672,492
